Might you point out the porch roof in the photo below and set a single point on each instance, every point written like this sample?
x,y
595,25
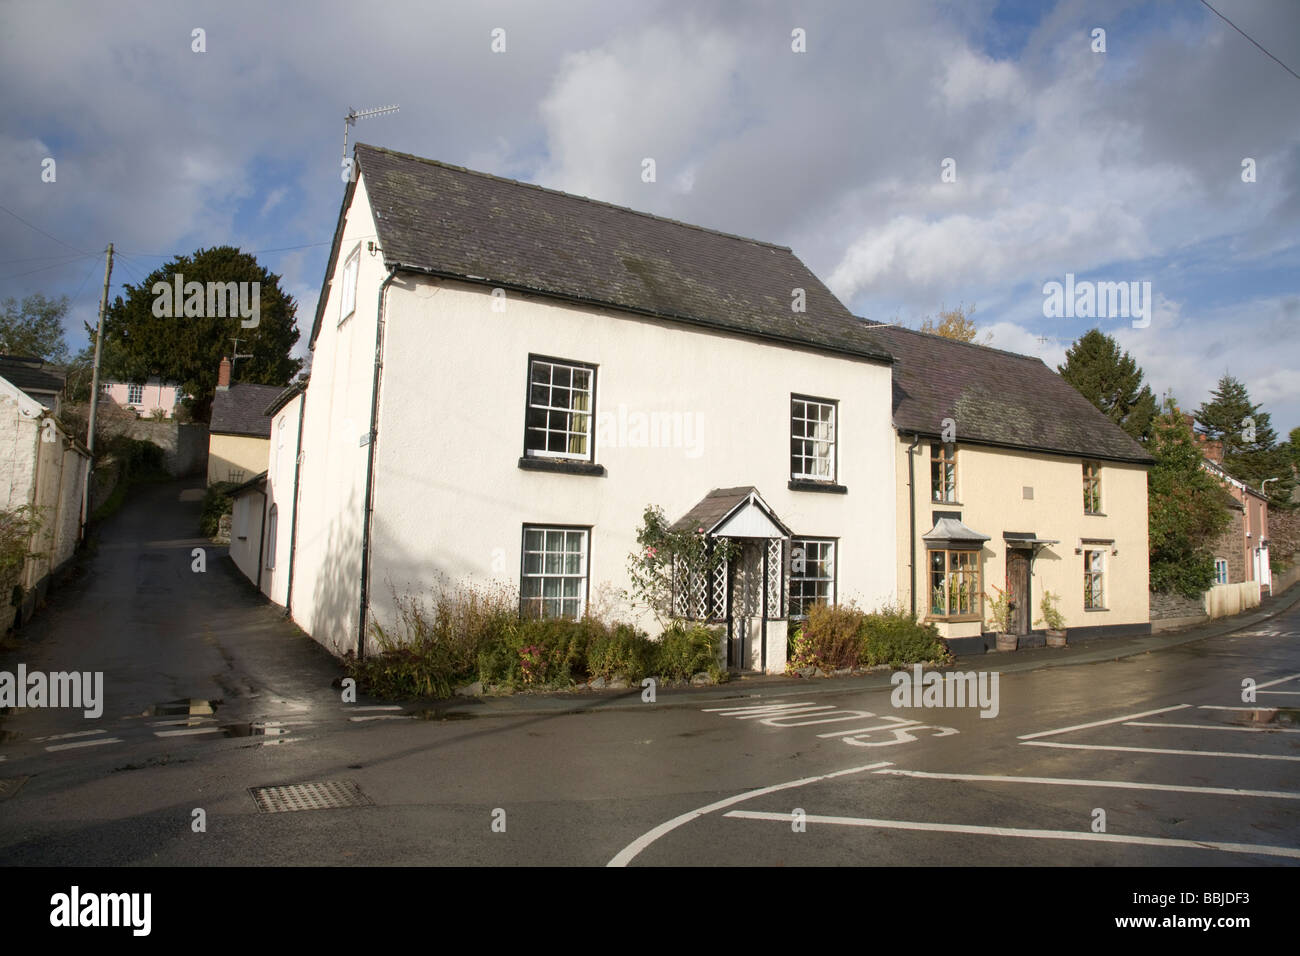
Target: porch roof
x,y
952,531
739,512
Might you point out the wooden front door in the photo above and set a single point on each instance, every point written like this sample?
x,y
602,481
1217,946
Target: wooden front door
x,y
1018,590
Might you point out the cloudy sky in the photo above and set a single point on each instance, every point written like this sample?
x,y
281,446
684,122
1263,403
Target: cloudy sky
x,y
916,154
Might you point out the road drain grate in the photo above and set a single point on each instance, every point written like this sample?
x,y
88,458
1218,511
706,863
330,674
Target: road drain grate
x,y
10,785
326,795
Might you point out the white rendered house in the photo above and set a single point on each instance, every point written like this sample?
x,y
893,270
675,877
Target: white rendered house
x,y
505,377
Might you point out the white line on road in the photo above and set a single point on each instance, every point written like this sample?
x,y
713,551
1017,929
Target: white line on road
x,y
1221,707
80,733
630,852
1084,835
187,733
1253,730
1289,693
1110,784
384,717
85,743
1157,750
375,707
187,721
1102,723
1280,680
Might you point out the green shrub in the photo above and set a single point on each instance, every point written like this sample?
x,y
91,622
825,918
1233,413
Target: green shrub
x,y
431,650
621,651
216,502
893,636
830,638
686,649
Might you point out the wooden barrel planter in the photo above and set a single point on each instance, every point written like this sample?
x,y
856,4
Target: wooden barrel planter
x,y
1007,642
1056,639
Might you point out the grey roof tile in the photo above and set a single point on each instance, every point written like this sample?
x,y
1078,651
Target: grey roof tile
x,y
241,409
449,221
995,397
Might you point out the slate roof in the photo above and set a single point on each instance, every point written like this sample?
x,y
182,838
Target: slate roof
x,y
717,505
241,410
32,375
449,221
995,397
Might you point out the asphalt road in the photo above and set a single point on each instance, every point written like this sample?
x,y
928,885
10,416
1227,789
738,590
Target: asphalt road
x,y
1148,759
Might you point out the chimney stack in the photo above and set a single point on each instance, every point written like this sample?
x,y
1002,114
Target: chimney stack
x,y
223,374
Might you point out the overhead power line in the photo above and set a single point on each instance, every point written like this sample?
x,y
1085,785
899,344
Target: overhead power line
x,y
1248,37
46,234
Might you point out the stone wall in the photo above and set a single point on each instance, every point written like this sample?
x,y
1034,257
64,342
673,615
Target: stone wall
x,y
1172,606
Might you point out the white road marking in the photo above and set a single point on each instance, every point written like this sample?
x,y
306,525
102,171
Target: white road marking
x,y
80,733
1280,680
1290,693
1221,707
897,722
1102,723
374,707
1110,784
187,721
1157,750
1080,835
1253,730
384,717
187,733
768,710
630,852
85,743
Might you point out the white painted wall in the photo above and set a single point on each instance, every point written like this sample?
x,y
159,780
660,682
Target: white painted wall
x,y
451,499
279,492
246,532
337,410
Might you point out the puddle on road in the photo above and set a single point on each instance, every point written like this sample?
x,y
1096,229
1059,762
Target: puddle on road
x,y
185,707
277,732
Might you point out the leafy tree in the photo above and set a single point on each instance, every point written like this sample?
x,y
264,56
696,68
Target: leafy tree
x,y
34,328
1187,508
1250,449
188,349
1112,381
955,324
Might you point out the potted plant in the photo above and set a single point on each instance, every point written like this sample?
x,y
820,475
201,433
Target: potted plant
x,y
1053,618
1000,611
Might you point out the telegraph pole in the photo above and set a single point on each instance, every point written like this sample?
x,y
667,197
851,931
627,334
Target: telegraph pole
x,y
94,388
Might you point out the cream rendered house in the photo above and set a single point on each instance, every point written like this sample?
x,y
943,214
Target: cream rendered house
x,y
239,435
505,377
1009,478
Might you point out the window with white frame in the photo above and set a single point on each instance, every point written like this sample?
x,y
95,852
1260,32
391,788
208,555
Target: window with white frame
x,y
553,579
812,438
812,574
1220,570
349,290
1094,579
561,396
135,394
